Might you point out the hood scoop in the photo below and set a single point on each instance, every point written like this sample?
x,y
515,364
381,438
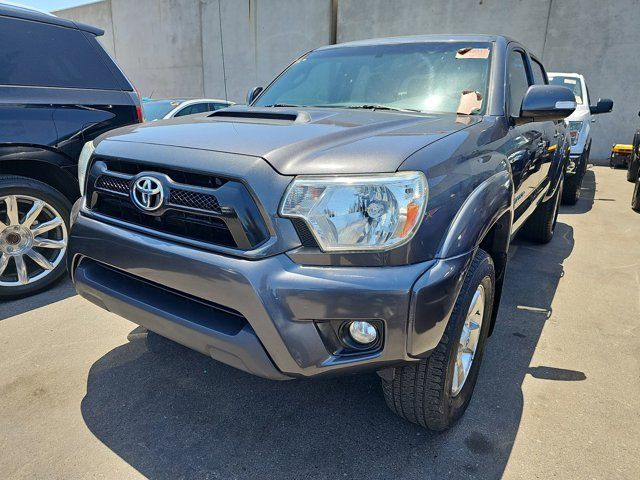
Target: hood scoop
x,y
262,115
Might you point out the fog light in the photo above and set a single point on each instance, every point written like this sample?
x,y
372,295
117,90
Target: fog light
x,y
363,332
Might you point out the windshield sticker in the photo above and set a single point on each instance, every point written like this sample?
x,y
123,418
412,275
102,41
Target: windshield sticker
x,y
473,53
570,81
469,102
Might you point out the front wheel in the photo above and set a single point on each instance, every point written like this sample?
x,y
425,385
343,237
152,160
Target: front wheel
x,y
571,190
34,226
436,391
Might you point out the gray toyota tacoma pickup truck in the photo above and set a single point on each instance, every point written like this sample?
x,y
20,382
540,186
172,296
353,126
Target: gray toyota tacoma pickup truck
x,y
355,216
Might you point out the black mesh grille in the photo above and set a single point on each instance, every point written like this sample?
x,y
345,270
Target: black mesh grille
x,y
193,226
198,206
113,184
187,198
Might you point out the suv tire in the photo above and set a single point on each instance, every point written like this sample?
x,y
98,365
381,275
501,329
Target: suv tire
x,y
540,226
423,392
56,208
571,190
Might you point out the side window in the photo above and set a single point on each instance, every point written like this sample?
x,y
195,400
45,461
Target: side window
x,y
217,106
539,78
199,108
44,55
518,82
184,111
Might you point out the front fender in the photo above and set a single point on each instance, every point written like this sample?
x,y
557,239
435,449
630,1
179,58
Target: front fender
x,y
488,202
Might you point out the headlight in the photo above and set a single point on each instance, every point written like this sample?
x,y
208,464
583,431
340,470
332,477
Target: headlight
x,y
363,212
574,131
83,162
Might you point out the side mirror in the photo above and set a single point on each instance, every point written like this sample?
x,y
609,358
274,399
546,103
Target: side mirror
x,y
253,93
543,103
604,105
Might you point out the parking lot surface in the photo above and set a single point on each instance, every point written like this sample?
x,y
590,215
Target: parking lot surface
x,y
558,394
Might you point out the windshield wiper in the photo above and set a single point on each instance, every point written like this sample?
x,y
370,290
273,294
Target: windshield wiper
x,y
276,105
373,107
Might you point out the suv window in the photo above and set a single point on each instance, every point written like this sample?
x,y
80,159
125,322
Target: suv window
x,y
44,55
538,73
518,82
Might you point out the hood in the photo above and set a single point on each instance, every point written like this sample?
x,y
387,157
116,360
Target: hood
x,y
581,113
303,141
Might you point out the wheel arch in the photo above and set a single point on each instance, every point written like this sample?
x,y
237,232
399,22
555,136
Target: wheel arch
x,y
484,221
44,165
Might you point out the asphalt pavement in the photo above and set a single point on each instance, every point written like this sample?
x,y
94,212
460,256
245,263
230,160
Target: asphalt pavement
x,y
558,394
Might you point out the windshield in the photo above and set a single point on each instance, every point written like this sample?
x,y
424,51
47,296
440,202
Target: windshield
x,y
428,76
572,83
157,109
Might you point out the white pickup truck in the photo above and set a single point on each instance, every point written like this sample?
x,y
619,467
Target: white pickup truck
x,y
579,124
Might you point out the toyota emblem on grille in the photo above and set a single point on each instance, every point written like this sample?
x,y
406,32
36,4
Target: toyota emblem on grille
x,y
147,193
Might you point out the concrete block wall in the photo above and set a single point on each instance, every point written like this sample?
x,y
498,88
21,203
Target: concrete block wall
x,y
212,48
220,48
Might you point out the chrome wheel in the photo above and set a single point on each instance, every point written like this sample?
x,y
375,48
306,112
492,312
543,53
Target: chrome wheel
x,y
468,342
33,239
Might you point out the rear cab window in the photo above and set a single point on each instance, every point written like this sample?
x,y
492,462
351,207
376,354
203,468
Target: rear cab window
x,y
43,55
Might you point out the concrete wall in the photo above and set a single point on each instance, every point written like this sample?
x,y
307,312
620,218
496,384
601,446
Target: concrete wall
x,y
213,48
596,38
220,48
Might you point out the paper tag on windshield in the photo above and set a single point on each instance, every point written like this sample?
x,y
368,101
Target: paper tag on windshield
x,y
473,53
570,81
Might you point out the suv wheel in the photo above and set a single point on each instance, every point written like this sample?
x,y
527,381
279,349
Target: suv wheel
x,y
542,223
573,183
34,226
435,391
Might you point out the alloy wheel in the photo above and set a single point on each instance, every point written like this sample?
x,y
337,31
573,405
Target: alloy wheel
x,y
468,342
33,239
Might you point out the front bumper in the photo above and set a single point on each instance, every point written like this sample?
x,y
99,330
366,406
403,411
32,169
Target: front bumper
x,y
263,315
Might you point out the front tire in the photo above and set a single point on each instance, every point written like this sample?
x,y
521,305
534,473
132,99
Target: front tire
x,y
436,391
571,190
542,223
34,227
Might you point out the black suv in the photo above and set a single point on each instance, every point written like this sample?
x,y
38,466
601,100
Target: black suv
x,y
356,216
58,90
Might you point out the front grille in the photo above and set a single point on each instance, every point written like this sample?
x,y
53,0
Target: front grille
x,y
113,184
183,224
197,200
198,207
177,196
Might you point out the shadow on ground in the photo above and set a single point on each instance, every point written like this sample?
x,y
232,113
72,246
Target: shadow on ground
x,y
61,290
178,414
